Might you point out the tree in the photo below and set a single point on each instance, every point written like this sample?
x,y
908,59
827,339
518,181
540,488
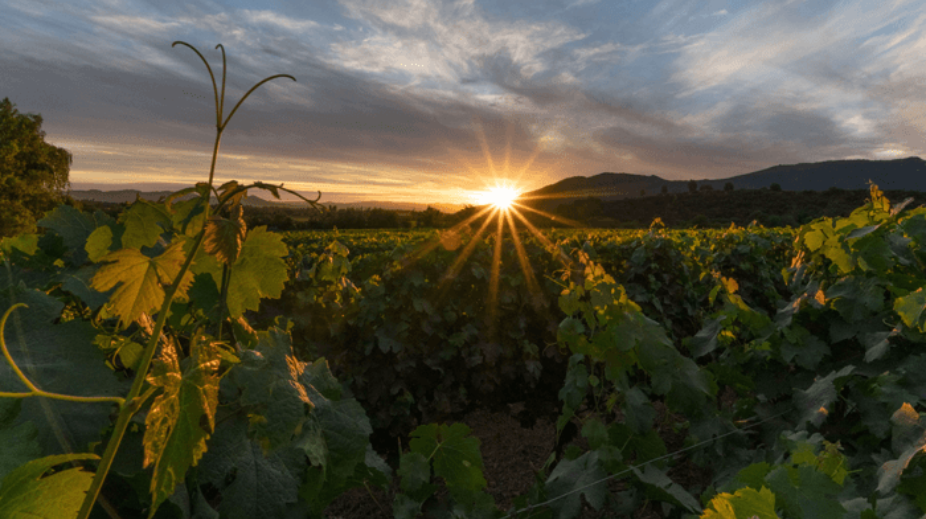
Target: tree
x,y
775,187
728,186
430,217
692,186
642,192
665,189
33,173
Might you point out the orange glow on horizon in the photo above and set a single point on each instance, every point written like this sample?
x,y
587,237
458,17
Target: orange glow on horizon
x,y
500,196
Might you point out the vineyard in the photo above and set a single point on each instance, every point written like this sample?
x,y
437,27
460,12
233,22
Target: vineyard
x,y
783,367
175,363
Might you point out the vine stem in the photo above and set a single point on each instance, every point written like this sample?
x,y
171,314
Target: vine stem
x,y
33,390
126,412
132,403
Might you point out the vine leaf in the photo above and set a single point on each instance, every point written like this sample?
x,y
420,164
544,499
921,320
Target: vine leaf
x,y
174,439
74,227
804,491
815,402
292,403
746,502
226,190
144,222
571,475
23,436
140,280
267,379
253,484
908,440
259,272
25,493
25,243
658,479
224,236
99,243
59,357
910,309
415,471
454,453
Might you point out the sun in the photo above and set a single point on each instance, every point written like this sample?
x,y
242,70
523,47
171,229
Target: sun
x,y
501,197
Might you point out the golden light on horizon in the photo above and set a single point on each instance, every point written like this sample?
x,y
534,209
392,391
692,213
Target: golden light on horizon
x,y
498,212
501,197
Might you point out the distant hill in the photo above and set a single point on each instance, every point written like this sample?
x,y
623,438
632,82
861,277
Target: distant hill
x,y
129,195
901,174
396,206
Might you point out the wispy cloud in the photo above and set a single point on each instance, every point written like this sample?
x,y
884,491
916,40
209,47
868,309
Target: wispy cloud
x,y
439,95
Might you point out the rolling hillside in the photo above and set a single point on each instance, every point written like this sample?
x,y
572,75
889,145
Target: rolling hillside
x,y
907,174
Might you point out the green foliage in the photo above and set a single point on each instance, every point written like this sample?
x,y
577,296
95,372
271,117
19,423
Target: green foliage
x,y
140,280
23,436
455,458
772,373
30,492
252,483
58,357
182,417
224,236
259,271
746,503
574,478
33,173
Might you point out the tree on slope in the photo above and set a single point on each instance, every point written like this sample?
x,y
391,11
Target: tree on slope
x,y
33,173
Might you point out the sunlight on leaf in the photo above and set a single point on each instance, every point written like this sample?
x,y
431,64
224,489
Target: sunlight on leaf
x,y
182,417
140,280
224,236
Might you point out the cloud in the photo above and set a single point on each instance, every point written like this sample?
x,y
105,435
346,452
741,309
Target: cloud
x,y
446,41
604,52
441,95
278,20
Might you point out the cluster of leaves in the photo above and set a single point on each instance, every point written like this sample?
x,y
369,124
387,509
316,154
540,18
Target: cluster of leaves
x,y
822,365
413,331
222,409
831,380
664,271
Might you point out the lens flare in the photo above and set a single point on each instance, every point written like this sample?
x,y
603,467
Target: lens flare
x,y
501,197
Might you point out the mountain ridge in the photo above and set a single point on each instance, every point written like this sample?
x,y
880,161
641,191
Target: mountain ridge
x,y
897,174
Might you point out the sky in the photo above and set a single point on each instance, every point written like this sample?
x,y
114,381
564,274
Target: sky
x,y
431,101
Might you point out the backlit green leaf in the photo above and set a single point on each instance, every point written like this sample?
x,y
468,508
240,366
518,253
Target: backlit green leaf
x,y
26,494
224,236
182,417
144,223
259,272
746,503
140,280
99,243
910,309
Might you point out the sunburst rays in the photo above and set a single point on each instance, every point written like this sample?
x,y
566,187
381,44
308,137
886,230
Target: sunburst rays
x,y
502,212
501,207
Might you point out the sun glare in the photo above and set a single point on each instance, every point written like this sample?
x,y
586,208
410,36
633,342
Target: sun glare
x,y
500,197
